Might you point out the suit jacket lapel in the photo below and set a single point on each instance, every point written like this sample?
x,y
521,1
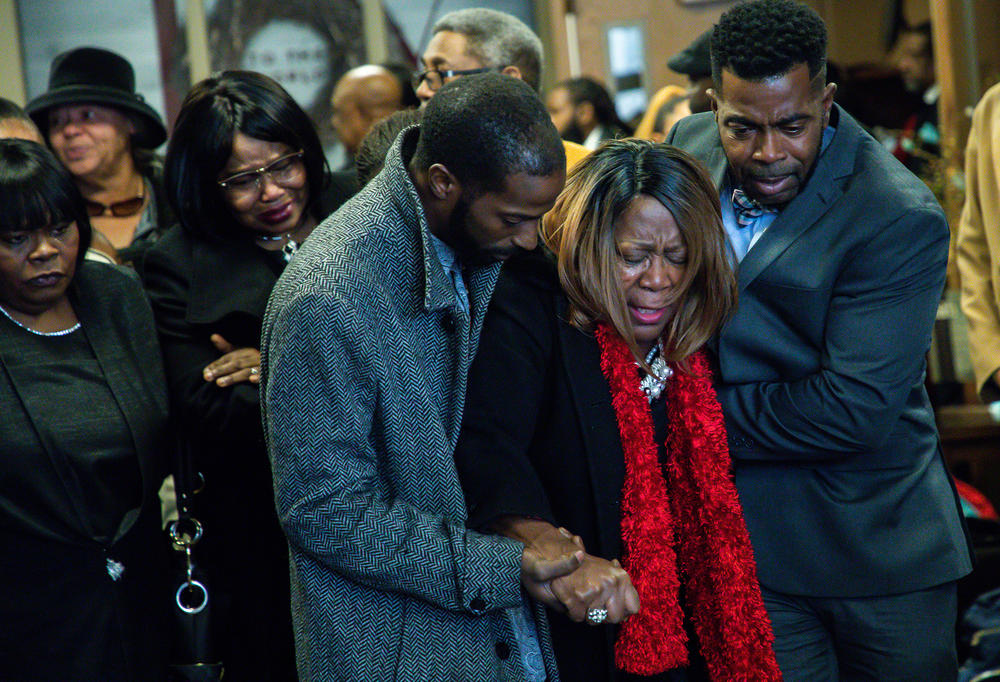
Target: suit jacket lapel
x,y
796,218
717,165
598,429
480,283
114,359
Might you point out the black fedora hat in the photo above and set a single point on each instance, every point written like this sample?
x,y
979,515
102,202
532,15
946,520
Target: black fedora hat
x,y
92,75
695,60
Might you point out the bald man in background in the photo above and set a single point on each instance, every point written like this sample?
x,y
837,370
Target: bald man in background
x,y
362,97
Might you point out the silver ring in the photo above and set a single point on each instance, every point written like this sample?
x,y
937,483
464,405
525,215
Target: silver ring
x,y
596,616
185,532
196,592
254,371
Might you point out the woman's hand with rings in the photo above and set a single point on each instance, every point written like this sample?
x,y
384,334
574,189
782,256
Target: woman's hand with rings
x,y
235,366
599,591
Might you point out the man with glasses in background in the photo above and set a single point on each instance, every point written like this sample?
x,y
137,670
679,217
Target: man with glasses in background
x,y
477,40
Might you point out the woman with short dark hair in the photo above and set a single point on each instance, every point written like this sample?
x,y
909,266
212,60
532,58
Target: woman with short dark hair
x,y
590,408
84,426
246,175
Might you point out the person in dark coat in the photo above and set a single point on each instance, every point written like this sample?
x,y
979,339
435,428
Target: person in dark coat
x,y
84,422
842,255
245,172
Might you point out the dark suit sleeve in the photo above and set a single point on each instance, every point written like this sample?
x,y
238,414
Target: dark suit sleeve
x,y
671,136
877,332
508,387
201,406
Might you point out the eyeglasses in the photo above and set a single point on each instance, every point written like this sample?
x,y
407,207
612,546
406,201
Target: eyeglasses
x,y
118,209
287,170
436,77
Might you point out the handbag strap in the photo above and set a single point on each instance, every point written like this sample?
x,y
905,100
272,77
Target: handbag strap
x,y
188,481
192,595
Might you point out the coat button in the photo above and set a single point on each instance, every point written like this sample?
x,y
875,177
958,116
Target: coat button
x,y
448,324
503,651
477,604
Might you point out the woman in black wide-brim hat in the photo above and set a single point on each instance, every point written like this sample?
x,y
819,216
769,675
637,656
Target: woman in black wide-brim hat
x,y
104,133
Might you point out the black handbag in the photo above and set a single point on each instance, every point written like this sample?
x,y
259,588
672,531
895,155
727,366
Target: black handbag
x,y
193,658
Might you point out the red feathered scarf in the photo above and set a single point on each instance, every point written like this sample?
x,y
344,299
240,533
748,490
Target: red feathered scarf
x,y
694,533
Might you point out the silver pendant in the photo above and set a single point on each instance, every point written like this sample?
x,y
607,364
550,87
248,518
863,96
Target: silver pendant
x,y
115,568
653,384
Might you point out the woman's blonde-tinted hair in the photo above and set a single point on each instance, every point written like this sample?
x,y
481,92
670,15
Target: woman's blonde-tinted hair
x,y
580,230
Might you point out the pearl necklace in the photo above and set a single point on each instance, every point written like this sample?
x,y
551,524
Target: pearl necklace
x,y
271,237
62,332
653,384
288,249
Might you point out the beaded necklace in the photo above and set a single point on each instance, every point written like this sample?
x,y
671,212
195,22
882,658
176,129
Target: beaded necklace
x,y
61,332
653,384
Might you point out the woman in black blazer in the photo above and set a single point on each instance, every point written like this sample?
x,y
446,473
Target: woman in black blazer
x,y
590,408
84,422
246,175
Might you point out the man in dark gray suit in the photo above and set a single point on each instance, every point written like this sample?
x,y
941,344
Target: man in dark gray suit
x,y
367,342
852,514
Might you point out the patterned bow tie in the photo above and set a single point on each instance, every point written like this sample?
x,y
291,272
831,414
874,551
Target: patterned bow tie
x,y
747,210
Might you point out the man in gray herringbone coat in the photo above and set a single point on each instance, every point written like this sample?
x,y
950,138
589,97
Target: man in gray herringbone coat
x,y
367,340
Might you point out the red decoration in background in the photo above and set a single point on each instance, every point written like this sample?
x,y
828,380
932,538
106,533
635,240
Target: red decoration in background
x,y
975,499
683,520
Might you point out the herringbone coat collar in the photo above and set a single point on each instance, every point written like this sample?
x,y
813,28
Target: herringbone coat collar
x,y
438,292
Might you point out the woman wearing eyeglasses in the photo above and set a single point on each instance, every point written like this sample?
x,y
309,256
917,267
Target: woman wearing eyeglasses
x,y
103,132
246,175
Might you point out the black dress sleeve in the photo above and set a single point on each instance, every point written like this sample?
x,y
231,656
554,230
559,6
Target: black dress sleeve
x,y
509,389
201,406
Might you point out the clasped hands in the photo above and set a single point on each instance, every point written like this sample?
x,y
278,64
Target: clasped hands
x,y
557,570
